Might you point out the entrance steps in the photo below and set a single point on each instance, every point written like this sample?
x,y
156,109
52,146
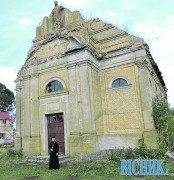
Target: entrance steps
x,y
45,159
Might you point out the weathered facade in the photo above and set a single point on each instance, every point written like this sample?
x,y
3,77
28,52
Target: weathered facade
x,y
89,83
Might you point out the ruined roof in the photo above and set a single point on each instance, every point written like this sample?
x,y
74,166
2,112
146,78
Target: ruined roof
x,y
102,39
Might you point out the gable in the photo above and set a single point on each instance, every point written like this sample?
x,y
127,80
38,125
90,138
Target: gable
x,y
46,50
64,32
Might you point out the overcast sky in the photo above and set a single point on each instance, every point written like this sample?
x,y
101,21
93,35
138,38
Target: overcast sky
x,y
151,19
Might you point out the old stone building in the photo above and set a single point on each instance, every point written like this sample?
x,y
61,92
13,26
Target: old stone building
x,y
88,83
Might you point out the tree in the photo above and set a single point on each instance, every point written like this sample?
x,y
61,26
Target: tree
x,y
161,113
163,117
6,98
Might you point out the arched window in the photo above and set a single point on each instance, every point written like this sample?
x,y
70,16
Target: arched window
x,y
54,86
119,82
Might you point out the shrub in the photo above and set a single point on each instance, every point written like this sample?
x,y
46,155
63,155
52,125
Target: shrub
x,y
129,153
141,152
3,152
14,153
163,117
115,155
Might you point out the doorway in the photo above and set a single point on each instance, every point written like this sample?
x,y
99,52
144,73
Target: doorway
x,y
55,124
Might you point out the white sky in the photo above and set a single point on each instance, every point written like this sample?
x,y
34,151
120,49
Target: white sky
x,y
152,20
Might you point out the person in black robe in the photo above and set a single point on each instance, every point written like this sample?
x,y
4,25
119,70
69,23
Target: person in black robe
x,y
54,159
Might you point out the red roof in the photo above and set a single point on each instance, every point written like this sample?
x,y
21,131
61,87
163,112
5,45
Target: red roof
x,y
5,115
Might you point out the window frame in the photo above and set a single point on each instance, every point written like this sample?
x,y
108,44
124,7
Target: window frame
x,y
2,135
111,83
4,121
54,86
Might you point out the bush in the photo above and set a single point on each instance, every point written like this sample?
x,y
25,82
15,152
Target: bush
x,y
129,153
14,153
114,155
163,117
142,152
3,152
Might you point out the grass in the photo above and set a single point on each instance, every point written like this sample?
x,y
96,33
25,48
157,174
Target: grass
x,y
11,168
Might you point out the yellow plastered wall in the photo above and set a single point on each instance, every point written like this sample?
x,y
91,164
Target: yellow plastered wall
x,y
45,78
31,145
121,106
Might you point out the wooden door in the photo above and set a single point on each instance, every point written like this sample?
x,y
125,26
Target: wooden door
x,y
56,128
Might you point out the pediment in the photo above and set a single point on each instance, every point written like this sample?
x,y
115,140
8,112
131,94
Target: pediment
x,y
64,37
57,47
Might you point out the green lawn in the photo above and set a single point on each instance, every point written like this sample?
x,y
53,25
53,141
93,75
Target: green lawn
x,y
11,168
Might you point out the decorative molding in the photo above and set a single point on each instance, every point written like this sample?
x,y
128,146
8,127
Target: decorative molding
x,y
81,133
25,78
144,64
18,89
109,37
141,63
53,106
33,76
48,95
120,88
71,66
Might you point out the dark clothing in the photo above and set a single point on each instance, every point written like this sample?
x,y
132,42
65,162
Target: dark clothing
x,y
54,159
